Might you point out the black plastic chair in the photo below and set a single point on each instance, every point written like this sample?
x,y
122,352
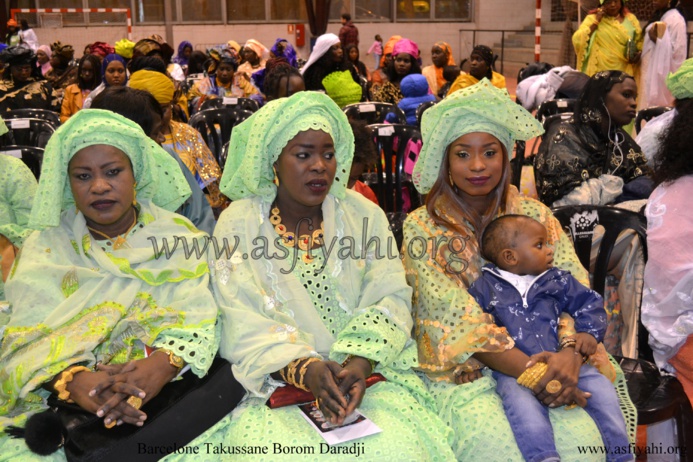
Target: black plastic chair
x,y
216,125
656,397
421,109
648,114
391,180
373,113
217,103
30,127
32,157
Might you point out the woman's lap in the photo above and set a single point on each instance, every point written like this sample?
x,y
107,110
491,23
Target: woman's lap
x,y
475,412
409,432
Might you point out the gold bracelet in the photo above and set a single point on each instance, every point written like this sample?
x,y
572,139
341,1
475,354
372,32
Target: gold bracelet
x,y
66,377
533,375
302,373
350,357
291,372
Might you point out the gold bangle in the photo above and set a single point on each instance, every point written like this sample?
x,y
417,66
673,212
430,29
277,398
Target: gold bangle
x,y
533,375
302,373
66,377
291,373
348,359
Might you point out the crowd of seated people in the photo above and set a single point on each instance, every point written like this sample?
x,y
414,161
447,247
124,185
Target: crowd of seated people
x,y
93,314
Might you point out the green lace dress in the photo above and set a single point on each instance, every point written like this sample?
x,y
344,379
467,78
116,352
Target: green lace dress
x,y
328,308
450,326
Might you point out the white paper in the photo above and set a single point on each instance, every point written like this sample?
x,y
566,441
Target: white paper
x,y
359,425
367,108
562,103
14,153
386,131
230,101
20,123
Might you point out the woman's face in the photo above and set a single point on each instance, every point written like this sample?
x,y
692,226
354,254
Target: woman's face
x,y
612,7
186,52
353,54
475,161
337,53
621,102
87,71
41,57
251,56
103,185
55,62
478,67
20,72
115,74
306,168
225,73
403,63
296,84
439,56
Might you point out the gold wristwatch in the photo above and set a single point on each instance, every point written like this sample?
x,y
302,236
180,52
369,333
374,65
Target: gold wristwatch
x,y
173,360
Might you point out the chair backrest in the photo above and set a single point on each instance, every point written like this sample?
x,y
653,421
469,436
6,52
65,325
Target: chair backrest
x,y
31,113
243,103
391,142
553,107
648,114
580,222
31,156
30,131
421,109
215,126
373,113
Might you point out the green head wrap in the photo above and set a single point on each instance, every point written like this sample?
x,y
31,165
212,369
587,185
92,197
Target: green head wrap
x,y
680,83
480,108
158,175
256,143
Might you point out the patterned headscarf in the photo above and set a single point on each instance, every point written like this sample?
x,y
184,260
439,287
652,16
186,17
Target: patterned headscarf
x,y
65,52
157,174
102,49
680,83
256,143
151,44
283,49
478,108
108,60
227,57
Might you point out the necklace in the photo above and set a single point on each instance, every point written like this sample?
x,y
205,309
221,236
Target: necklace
x,y
119,241
304,242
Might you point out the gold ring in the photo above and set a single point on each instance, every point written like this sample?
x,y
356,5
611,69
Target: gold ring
x,y
570,406
554,386
135,401
109,425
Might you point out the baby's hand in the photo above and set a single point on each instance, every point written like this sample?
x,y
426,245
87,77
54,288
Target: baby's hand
x,y
467,377
585,344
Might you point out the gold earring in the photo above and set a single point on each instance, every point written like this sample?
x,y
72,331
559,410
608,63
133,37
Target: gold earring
x,y
452,183
276,178
134,198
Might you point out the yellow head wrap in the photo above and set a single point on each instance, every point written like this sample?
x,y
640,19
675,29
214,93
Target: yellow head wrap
x,y
156,83
124,48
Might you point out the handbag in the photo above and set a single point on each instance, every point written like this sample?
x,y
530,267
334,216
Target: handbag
x,y
182,411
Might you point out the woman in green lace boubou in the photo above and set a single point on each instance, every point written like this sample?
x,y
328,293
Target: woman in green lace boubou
x,y
464,169
310,314
90,288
